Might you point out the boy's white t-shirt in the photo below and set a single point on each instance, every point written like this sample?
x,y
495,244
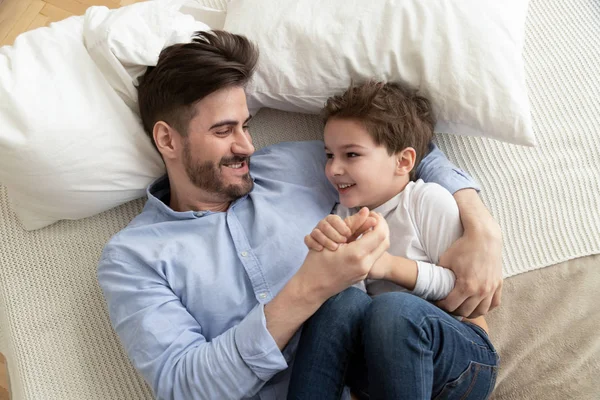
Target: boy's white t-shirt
x,y
424,222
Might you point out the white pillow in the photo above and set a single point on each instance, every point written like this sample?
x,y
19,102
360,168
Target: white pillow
x,y
465,55
71,140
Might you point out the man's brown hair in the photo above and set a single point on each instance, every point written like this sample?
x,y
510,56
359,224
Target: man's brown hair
x,y
188,72
393,114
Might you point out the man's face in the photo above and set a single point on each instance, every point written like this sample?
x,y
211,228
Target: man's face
x,y
216,152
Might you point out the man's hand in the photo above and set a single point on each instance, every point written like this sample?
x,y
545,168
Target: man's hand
x,y
332,231
475,259
329,272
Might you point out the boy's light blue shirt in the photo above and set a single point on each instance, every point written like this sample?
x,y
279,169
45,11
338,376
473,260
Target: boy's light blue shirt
x,y
186,290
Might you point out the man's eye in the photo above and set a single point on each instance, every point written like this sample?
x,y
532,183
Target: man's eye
x,y
245,127
223,133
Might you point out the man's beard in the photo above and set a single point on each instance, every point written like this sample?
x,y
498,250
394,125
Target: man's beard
x,y
207,176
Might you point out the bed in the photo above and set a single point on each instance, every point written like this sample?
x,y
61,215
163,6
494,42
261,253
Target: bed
x,y
54,326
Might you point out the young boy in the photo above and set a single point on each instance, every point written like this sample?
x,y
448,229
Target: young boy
x,y
375,134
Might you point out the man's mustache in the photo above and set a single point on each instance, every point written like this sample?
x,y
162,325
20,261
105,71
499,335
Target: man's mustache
x,y
235,160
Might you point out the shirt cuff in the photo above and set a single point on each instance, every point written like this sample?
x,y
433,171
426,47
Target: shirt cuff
x,y
435,167
433,282
257,347
423,279
459,181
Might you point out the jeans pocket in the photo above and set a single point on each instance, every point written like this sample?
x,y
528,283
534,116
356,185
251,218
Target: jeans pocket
x,y
475,383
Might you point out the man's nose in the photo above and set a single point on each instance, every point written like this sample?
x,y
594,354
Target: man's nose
x,y
242,143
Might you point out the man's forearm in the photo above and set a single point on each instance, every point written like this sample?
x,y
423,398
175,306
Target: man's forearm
x,y
475,258
474,216
289,310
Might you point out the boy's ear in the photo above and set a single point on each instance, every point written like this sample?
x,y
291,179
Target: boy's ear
x,y
405,161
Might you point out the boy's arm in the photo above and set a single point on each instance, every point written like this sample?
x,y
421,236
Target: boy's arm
x,y
435,215
476,257
436,220
426,280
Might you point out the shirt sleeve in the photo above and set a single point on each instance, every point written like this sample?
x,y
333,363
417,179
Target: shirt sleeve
x,y
435,167
433,282
438,222
165,342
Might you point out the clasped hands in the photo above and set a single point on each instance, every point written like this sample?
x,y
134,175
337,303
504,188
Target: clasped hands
x,y
344,261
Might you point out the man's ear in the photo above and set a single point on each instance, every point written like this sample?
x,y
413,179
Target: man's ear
x,y
167,139
405,161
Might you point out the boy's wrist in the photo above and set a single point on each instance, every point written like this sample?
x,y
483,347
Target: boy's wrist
x,y
388,261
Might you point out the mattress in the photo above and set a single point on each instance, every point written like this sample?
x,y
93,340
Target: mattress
x,y
55,331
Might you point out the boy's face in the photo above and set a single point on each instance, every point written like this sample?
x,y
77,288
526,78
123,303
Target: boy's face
x,y
363,172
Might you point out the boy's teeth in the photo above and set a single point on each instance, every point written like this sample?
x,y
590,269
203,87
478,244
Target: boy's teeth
x,y
345,185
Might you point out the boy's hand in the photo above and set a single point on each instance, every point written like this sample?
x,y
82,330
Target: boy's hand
x,y
361,222
331,231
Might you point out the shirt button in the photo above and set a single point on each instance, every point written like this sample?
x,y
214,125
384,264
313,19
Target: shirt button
x,y
244,254
262,295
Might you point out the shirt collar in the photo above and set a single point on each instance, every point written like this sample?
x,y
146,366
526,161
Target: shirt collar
x,y
158,197
389,205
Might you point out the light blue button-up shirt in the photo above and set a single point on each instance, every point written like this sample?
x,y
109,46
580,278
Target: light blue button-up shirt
x,y
186,290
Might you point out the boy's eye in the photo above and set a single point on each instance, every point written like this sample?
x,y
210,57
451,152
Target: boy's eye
x,y
351,155
329,155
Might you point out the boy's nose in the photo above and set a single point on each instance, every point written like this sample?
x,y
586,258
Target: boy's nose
x,y
336,168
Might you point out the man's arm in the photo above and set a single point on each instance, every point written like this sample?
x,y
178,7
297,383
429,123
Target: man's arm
x,y
166,344
322,275
475,258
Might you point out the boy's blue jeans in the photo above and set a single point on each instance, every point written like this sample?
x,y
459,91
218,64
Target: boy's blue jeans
x,y
394,346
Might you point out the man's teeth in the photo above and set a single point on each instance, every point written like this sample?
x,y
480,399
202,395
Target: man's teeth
x,y
235,165
345,185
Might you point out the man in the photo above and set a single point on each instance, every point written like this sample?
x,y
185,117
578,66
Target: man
x,y
209,285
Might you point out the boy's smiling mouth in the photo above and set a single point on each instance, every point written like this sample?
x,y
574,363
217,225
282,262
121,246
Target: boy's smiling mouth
x,y
344,187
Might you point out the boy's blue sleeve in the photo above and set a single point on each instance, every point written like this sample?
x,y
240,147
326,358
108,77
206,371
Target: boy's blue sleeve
x,y
435,167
